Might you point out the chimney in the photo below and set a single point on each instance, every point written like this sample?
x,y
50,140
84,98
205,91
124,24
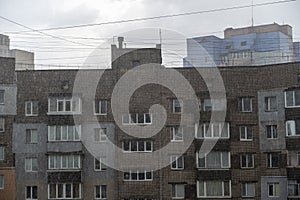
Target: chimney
x,y
120,40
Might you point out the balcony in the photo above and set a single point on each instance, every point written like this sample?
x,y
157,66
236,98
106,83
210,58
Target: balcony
x,y
64,146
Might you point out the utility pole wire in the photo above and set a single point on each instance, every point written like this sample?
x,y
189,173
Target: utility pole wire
x,y
161,16
39,31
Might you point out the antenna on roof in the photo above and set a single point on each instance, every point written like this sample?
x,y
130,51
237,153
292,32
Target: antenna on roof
x,y
252,20
160,36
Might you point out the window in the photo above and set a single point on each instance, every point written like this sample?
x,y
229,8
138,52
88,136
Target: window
x,y
2,125
291,128
212,130
177,162
31,136
1,181
64,133
2,152
100,107
293,158
270,104
214,105
64,162
2,96
135,63
137,119
99,164
64,191
176,134
31,165
271,131
293,188
213,189
31,108
292,98
244,43
246,133
273,190
178,191
137,146
245,104
214,160
100,192
138,175
31,192
247,160
100,134
177,105
273,160
248,190
59,105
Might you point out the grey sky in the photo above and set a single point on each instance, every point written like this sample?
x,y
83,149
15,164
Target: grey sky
x,y
52,13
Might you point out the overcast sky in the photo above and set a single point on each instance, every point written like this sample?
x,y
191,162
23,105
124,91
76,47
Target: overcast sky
x,y
39,14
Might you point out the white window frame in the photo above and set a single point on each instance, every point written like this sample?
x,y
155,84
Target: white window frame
x,y
76,128
64,100
246,186
2,156
67,157
99,104
246,133
102,134
272,132
274,189
103,167
30,160
64,190
31,192
242,99
174,102
247,161
174,134
30,104
206,127
269,161
136,141
294,100
268,105
32,131
205,192
137,172
176,195
295,183
131,122
2,183
2,119
221,160
293,124
100,188
175,159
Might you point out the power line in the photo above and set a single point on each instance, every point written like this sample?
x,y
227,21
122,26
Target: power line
x,y
159,17
46,34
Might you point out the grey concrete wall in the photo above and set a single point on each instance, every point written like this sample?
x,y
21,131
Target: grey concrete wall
x,y
89,175
282,185
10,100
22,151
271,118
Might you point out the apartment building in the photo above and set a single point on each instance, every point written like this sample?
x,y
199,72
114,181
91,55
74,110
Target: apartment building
x,y
246,46
256,155
24,60
8,95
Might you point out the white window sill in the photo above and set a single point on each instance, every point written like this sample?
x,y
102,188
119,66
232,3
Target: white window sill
x,y
63,113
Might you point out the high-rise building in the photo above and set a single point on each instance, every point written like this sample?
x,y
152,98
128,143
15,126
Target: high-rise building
x,y
249,46
24,60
